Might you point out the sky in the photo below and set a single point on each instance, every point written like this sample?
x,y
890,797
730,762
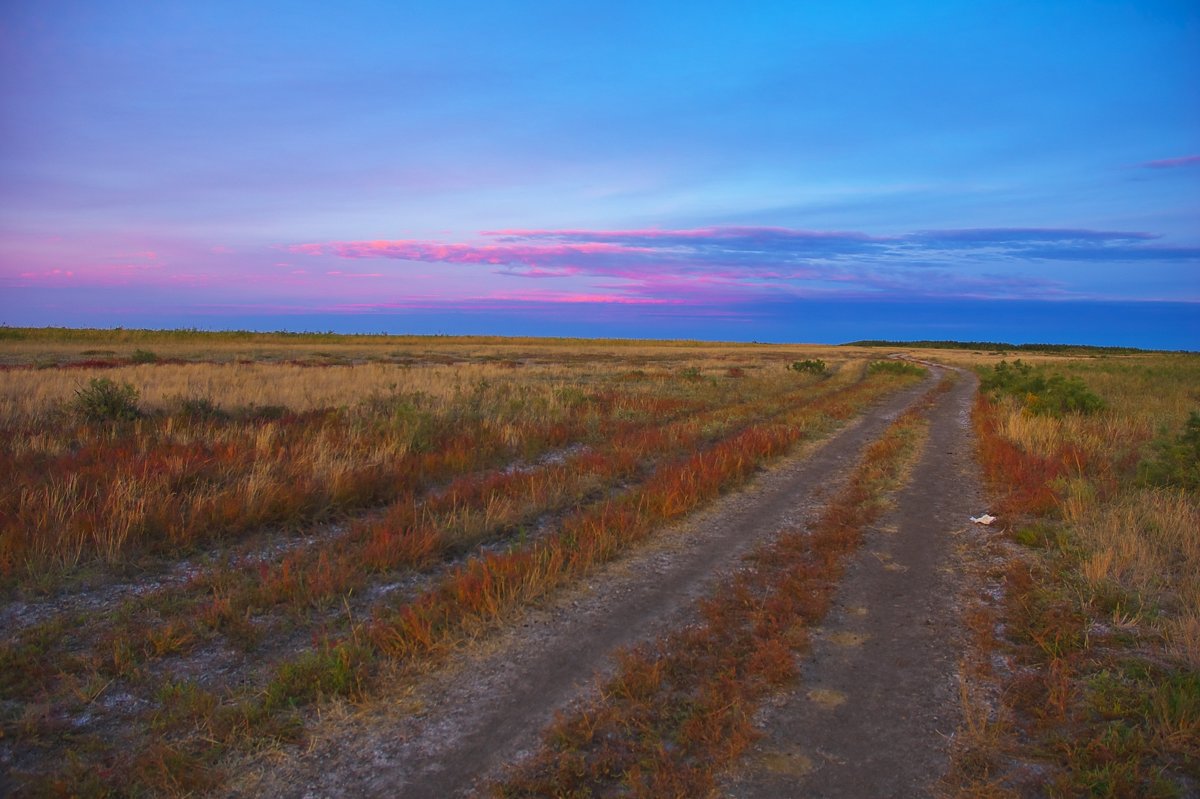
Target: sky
x,y
792,171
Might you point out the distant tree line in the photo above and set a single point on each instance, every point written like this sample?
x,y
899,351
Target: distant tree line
x,y
1000,346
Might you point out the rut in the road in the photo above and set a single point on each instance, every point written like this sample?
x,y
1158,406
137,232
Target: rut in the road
x,y
877,698
494,704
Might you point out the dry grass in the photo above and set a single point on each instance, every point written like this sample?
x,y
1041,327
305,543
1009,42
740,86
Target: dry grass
x,y
221,566
1100,613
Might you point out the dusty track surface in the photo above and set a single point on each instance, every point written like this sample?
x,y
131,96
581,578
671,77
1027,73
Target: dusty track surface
x,y
456,728
878,695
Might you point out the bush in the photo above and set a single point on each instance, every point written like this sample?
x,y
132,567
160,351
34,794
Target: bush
x,y
1052,395
896,368
200,409
815,367
102,400
1176,463
263,413
143,356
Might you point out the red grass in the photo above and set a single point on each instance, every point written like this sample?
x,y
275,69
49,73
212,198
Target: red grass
x,y
1022,480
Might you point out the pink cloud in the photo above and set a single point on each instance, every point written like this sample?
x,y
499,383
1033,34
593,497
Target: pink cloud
x,y
47,276
538,272
577,298
436,252
716,234
715,265
1172,163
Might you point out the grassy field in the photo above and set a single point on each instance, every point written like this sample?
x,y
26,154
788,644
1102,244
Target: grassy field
x,y
204,537
1091,659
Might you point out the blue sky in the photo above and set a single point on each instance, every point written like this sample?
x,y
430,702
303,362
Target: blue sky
x,y
644,169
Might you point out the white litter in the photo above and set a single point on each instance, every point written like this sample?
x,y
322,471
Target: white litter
x,y
986,518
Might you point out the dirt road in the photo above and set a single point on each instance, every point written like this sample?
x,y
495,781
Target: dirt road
x,y
459,727
877,696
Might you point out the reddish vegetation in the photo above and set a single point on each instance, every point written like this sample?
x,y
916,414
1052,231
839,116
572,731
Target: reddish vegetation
x,y
623,464
1088,702
485,588
680,710
1023,481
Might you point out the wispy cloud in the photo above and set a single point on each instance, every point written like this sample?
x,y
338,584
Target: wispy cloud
x,y
1173,163
1020,236
716,265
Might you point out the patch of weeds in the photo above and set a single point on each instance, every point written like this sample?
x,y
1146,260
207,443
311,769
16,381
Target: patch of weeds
x,y
813,366
1174,712
572,396
1036,536
1051,623
123,658
164,770
250,719
1115,694
182,704
1117,761
1175,462
896,368
200,409
103,400
170,638
407,416
28,661
690,373
77,776
262,413
143,356
1041,394
330,671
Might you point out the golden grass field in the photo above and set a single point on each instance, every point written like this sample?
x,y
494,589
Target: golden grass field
x,y
305,514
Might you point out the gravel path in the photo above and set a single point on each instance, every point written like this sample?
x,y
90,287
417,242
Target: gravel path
x,y
462,725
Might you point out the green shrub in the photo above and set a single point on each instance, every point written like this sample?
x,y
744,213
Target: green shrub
x,y
262,413
1175,462
896,368
816,367
102,400
200,409
143,356
1041,394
